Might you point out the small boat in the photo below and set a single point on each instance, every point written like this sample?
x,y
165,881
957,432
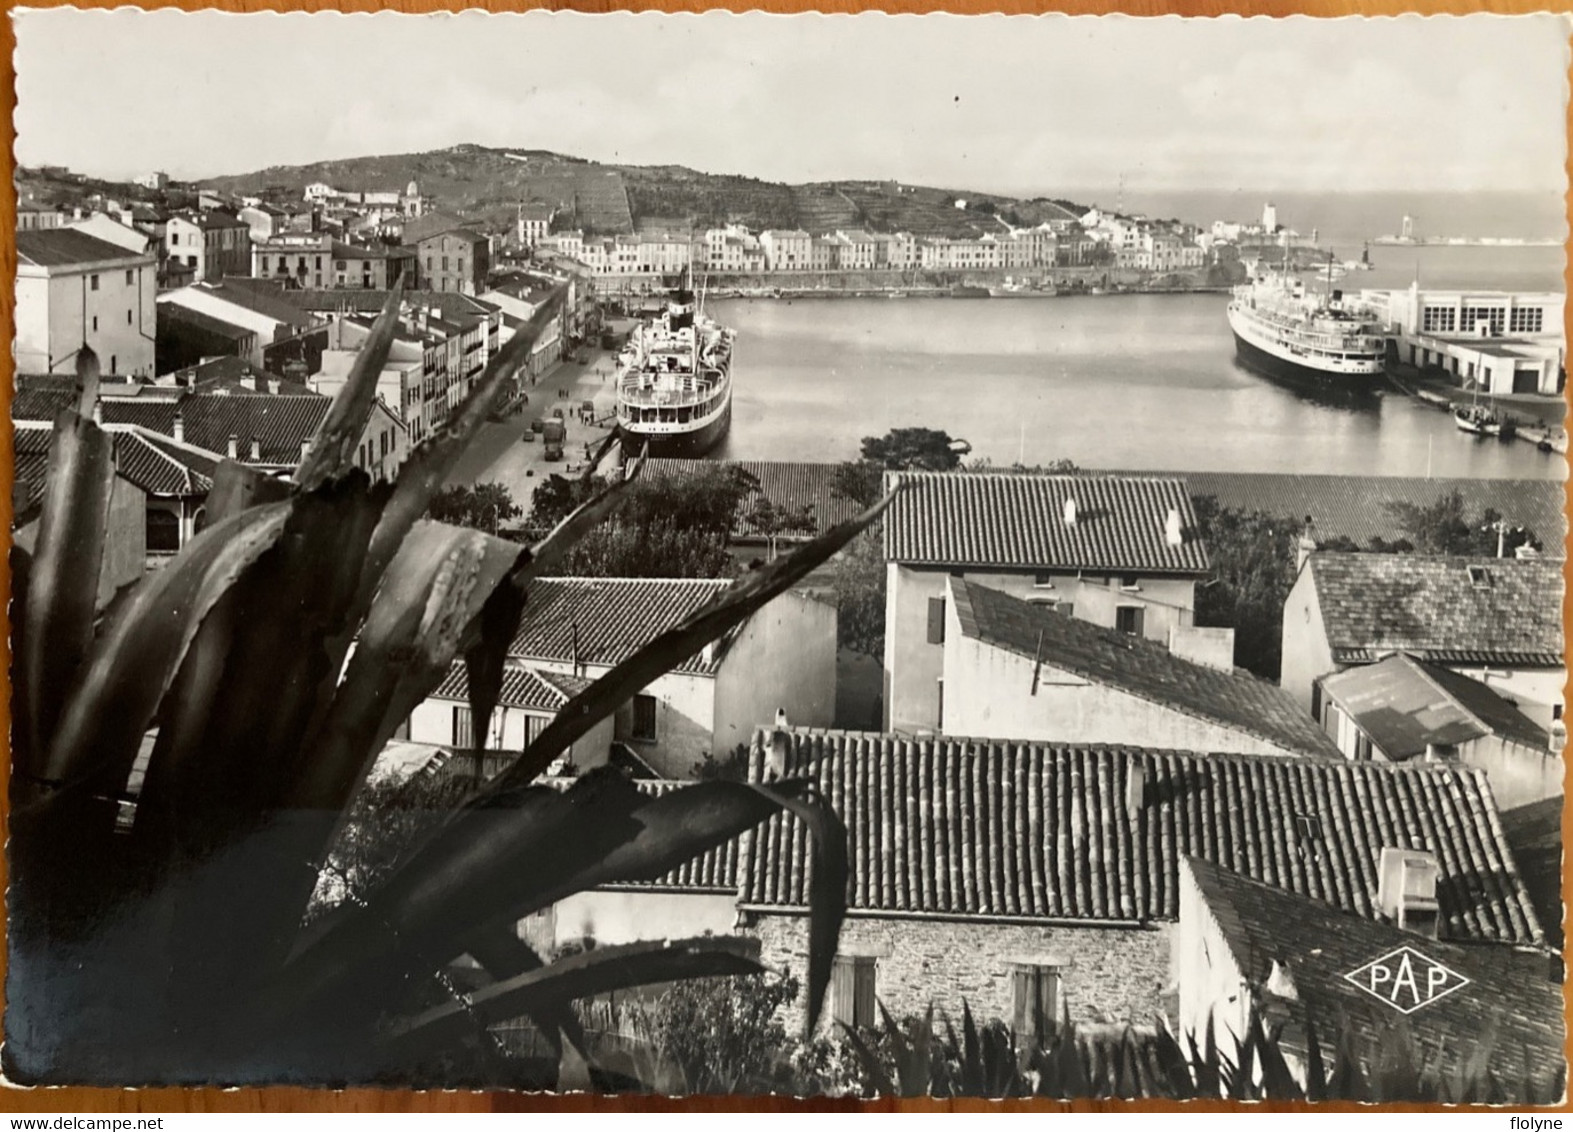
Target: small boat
x,y
1477,419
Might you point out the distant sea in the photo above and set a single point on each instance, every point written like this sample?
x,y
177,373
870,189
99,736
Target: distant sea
x,y
1352,218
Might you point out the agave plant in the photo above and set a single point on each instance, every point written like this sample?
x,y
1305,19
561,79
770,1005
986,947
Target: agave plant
x,y
251,683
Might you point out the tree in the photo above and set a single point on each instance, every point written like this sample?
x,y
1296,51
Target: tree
x,y
921,449
726,1035
860,594
773,520
483,506
1252,558
1444,527
858,481
730,767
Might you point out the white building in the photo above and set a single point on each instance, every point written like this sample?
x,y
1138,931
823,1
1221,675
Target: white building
x,y
73,290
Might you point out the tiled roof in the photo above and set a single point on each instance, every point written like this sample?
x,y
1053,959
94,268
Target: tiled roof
x,y
522,687
1534,832
974,828
1005,520
58,247
1404,704
461,310
1356,507
1373,604
711,872
361,251
270,302
1141,668
1317,945
611,618
159,466
419,228
30,462
784,483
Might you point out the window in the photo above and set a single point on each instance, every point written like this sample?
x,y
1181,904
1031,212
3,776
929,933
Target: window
x,y
1043,581
174,239
1129,618
1130,582
1526,320
1479,577
939,703
643,723
113,364
95,322
1066,607
93,282
936,623
131,277
128,318
852,991
1316,701
463,727
1035,997
319,263
163,530
1308,834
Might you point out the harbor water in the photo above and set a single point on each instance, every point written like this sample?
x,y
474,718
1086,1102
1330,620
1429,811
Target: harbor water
x,y
1137,381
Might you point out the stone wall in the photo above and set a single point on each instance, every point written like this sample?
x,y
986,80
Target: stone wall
x,y
1113,974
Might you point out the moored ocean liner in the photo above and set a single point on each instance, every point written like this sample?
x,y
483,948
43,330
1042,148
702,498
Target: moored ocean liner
x,y
1283,331
674,382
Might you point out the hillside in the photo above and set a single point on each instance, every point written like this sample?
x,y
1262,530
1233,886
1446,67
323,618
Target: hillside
x,y
486,183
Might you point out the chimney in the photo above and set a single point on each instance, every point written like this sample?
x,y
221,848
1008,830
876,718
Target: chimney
x,y
180,426
256,450
98,411
273,387
1173,533
305,448
1070,510
247,381
1406,889
233,449
1305,545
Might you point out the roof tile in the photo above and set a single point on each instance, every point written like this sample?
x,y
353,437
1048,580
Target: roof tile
x,y
607,620
984,828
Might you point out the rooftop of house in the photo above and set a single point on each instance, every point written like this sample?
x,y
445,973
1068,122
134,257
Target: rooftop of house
x,y
460,310
1315,945
343,250
1405,705
602,621
998,829
529,689
1449,610
1141,668
234,376
62,247
172,314
1026,522
1357,507
279,423
258,296
1534,831
150,461
783,483
420,228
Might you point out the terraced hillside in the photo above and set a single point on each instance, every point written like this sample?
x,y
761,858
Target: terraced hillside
x,y
705,200
823,208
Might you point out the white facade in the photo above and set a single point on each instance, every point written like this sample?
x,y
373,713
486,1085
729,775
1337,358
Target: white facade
x,y
108,305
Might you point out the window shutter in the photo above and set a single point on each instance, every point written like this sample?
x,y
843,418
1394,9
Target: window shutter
x,y
1035,998
936,634
863,1010
843,1000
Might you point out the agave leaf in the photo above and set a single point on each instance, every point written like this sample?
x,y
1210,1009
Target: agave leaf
x,y
883,1085
600,971
63,588
332,451
828,879
130,666
1315,1071
423,616
972,1082
729,608
912,1078
485,659
1278,1080
237,486
429,466
505,955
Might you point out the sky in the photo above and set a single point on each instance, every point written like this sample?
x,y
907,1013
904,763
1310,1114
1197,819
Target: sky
x,y
1013,105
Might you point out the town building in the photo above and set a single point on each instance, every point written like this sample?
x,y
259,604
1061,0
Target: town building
x,y
1117,551
1401,708
1303,960
527,701
31,216
374,267
781,659
983,868
272,322
1495,341
534,223
457,259
157,181
298,259
187,336
74,290
786,250
1021,670
1496,620
213,244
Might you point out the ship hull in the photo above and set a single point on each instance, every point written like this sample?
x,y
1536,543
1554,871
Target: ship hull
x,y
689,444
1253,357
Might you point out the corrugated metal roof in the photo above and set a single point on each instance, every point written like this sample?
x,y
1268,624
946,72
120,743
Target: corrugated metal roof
x,y
1019,521
59,247
981,828
1145,669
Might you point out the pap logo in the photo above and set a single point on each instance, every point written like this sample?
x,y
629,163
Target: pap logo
x,y
1407,980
